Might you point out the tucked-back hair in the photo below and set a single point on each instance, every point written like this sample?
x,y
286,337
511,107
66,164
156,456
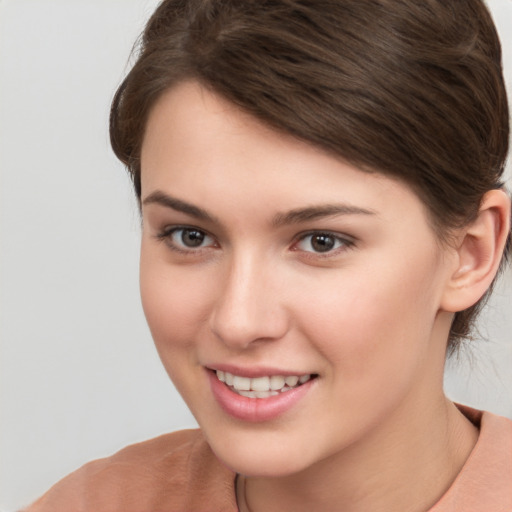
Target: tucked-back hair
x,y
412,89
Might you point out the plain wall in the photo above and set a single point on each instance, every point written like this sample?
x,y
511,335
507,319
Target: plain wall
x,y
79,376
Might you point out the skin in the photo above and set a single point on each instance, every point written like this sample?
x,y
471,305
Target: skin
x,y
368,317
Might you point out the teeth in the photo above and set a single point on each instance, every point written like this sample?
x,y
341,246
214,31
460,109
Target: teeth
x,y
260,384
241,383
265,394
261,387
276,382
291,381
248,394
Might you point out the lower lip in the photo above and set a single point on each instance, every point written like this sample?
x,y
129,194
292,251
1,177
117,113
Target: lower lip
x,y
255,409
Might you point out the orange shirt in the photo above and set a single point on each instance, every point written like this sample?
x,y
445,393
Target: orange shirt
x,y
179,473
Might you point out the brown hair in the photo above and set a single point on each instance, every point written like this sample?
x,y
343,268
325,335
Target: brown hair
x,y
409,88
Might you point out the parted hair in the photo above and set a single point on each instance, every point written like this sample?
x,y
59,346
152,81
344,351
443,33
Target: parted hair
x,y
412,89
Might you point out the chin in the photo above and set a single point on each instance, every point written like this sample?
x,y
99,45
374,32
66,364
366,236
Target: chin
x,y
260,454
271,466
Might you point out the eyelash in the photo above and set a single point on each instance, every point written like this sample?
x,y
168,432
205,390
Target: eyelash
x,y
341,243
166,235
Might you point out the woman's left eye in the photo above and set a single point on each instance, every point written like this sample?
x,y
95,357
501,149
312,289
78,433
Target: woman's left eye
x,y
321,242
186,238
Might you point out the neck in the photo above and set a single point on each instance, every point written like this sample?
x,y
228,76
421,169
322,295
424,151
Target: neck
x,y
423,454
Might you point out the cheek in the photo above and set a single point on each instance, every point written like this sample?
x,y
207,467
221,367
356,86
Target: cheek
x,y
174,301
369,323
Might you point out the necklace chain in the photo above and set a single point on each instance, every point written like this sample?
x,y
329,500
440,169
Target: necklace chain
x,y
240,494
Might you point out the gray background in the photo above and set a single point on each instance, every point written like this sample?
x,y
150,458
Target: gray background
x,y
79,377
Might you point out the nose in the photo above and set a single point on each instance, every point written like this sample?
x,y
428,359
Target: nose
x,y
249,304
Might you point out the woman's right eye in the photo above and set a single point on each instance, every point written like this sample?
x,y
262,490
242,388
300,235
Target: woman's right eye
x,y
186,239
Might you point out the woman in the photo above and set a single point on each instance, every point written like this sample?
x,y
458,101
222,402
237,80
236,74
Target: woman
x,y
323,217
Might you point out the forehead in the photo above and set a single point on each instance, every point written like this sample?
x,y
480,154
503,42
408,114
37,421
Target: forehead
x,y
202,148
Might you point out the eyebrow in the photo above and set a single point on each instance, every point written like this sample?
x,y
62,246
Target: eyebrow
x,y
163,199
318,212
296,216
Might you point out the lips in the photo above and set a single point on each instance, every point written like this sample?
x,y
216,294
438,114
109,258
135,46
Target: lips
x,y
259,398
261,387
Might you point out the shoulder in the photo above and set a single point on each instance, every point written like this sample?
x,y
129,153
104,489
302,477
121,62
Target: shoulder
x,y
485,482
175,472
493,451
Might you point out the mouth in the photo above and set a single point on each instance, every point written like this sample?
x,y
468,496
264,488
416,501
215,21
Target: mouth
x,y
262,387
257,396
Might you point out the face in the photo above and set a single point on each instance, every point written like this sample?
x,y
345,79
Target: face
x,y
294,299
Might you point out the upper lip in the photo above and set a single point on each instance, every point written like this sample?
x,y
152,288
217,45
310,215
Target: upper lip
x,y
255,371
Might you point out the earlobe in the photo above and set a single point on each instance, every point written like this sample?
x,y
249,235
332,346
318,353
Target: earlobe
x,y
479,253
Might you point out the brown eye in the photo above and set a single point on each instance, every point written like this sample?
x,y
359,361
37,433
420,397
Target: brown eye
x,y
186,239
192,237
321,242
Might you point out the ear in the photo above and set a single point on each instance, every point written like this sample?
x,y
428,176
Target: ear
x,y
478,253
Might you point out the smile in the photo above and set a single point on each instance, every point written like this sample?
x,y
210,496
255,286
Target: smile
x,y
261,387
260,397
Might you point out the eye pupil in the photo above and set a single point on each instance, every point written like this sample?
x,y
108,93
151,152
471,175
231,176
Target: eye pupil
x,y
322,243
192,237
